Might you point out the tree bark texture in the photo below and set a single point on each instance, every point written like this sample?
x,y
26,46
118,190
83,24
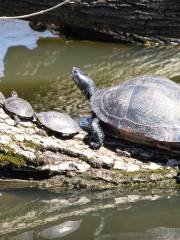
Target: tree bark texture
x,y
29,156
112,20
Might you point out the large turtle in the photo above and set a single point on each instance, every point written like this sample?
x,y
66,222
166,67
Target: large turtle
x,y
145,110
18,108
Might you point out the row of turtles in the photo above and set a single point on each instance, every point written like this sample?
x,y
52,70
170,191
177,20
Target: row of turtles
x,y
20,109
145,110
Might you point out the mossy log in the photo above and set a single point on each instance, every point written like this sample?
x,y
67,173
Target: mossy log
x,y
112,20
29,156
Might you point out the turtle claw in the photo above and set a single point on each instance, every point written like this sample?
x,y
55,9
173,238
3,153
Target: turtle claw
x,y
95,145
87,139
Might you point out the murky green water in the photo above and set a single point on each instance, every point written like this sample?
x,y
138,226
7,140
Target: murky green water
x,y
33,215
42,76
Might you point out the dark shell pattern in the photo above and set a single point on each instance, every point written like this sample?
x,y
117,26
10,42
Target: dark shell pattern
x,y
58,122
19,106
146,106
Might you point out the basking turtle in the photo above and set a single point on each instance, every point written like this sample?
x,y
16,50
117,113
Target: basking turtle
x,y
18,108
145,110
58,123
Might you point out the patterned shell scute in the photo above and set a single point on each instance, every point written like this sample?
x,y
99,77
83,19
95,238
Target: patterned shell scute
x,y
58,122
19,106
146,106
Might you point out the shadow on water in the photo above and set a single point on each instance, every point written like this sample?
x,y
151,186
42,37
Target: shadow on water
x,y
30,214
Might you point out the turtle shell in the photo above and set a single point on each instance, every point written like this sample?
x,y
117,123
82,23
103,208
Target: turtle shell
x,y
19,107
58,122
144,107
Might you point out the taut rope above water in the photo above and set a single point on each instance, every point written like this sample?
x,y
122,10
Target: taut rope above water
x,y
37,13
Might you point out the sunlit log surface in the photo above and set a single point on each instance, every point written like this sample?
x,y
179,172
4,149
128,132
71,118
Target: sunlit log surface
x,y
113,20
34,158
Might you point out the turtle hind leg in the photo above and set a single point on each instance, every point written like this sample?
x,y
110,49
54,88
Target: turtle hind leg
x,y
16,120
97,137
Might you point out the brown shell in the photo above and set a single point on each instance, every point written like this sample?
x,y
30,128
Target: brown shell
x,y
58,122
19,106
146,106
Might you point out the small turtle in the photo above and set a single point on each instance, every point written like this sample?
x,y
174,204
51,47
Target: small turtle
x,y
18,108
58,123
144,110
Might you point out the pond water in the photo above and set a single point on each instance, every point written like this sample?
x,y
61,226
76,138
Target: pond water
x,y
27,214
37,215
39,70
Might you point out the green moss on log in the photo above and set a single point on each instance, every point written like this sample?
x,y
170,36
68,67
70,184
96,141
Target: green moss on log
x,y
10,158
30,144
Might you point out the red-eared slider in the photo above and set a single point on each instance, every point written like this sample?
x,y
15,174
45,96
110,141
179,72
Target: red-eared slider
x,y
145,110
58,123
18,108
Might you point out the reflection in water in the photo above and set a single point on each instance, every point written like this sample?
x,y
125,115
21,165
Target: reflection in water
x,y
60,230
161,233
23,236
35,214
17,33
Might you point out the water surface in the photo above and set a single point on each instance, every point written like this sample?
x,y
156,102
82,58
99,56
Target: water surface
x,y
35,215
40,72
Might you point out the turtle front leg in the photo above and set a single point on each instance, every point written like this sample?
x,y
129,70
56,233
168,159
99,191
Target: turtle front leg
x,y
16,120
97,137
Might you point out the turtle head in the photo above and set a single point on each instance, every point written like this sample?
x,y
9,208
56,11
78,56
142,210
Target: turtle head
x,y
84,82
14,94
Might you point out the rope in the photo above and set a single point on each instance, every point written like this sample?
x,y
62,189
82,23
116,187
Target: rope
x,y
36,13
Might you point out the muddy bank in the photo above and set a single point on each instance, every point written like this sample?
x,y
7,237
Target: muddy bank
x,y
115,20
31,157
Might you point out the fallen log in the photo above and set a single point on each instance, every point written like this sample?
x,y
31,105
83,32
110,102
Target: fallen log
x,y
113,20
31,157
